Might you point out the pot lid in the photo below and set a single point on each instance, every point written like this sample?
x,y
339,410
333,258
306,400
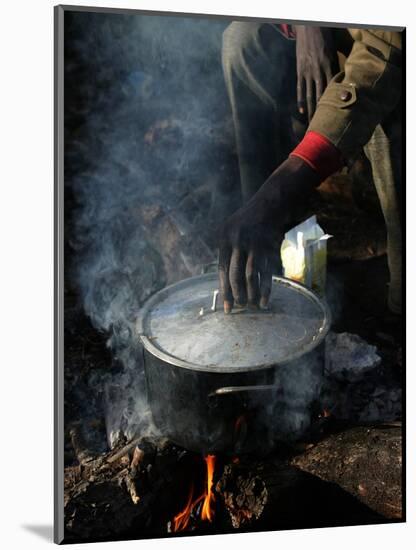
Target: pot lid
x,y
178,325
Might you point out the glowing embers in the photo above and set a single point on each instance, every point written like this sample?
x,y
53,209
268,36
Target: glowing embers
x,y
206,511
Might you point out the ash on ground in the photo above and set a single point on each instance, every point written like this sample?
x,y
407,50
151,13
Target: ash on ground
x,y
357,386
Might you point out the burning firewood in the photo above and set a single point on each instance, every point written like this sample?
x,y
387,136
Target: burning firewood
x,y
277,495
351,477
244,495
200,507
109,495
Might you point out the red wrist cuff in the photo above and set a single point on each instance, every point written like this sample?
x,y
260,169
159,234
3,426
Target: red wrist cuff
x,y
321,155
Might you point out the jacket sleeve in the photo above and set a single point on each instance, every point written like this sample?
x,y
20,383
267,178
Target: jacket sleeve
x,y
361,96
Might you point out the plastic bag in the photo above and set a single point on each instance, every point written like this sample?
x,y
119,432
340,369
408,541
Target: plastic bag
x,y
304,255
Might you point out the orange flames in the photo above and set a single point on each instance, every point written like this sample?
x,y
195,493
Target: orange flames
x,y
181,520
207,511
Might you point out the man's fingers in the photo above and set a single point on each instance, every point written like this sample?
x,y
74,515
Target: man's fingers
x,y
266,273
301,94
329,74
238,276
224,278
322,82
319,87
252,279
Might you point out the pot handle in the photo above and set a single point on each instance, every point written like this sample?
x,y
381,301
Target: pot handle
x,y
243,389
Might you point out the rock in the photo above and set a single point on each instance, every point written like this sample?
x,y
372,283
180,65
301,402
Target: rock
x,y
348,357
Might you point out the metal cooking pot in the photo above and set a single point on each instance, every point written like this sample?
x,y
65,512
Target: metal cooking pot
x,y
213,380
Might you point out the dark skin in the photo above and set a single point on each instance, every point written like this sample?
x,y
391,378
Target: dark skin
x,y
250,239
316,64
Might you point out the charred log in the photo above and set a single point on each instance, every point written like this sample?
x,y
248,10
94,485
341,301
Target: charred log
x,y
353,477
349,478
125,492
280,496
366,462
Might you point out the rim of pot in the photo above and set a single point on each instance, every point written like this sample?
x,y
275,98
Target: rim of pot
x,y
177,362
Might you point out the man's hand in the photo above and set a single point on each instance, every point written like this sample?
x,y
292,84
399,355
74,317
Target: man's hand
x,y
250,239
317,62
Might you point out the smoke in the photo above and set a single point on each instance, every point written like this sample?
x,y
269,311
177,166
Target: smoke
x,y
149,162
146,121
302,382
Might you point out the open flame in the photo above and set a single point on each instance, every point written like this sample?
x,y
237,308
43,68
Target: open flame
x,y
181,520
207,512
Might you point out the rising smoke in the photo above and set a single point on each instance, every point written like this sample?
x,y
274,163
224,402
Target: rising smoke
x,y
147,123
146,115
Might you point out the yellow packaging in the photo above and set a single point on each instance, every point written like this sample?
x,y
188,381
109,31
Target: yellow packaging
x,y
304,255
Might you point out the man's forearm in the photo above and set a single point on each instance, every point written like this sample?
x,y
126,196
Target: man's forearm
x,y
355,101
319,153
361,96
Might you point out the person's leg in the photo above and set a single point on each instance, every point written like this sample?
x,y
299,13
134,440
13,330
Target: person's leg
x,y
384,152
259,68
